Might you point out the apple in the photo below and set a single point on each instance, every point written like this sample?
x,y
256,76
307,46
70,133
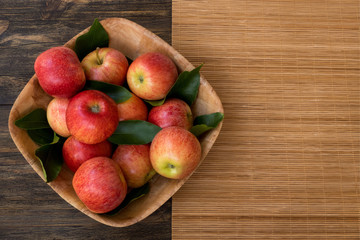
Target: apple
x,y
134,161
100,184
132,109
59,72
105,65
175,152
76,153
91,116
174,112
151,75
56,116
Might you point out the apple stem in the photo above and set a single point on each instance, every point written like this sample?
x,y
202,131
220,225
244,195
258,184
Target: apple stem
x,y
97,56
95,108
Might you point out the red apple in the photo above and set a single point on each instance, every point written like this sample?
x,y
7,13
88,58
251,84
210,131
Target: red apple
x,y
151,75
76,153
132,109
174,112
134,161
56,116
100,184
106,65
59,72
91,116
175,152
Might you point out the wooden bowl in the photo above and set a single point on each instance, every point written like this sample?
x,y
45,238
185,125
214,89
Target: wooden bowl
x,y
133,40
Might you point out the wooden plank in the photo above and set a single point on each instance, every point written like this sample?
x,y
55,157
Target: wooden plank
x,y
286,164
29,209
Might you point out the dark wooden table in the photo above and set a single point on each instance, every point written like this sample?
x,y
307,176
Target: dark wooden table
x,y
29,209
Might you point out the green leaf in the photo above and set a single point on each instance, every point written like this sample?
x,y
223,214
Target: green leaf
x,y
50,157
186,86
134,194
155,103
88,42
211,119
117,93
34,120
199,129
37,127
205,123
42,136
134,132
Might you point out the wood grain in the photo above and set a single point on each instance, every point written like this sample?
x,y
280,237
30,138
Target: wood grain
x,y
286,164
29,209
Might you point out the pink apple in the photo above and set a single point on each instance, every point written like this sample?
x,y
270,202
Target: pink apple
x,y
76,153
174,112
56,116
59,72
100,184
106,65
91,116
175,152
132,109
151,75
134,161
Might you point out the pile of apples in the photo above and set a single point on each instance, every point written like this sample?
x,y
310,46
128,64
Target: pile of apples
x,y
104,173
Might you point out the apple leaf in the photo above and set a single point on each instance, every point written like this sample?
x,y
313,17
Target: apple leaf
x,y
42,136
117,93
37,126
134,194
155,103
205,123
34,120
88,42
135,132
50,157
186,86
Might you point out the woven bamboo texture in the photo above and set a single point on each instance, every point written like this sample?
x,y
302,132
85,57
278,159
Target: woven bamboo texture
x,y
286,163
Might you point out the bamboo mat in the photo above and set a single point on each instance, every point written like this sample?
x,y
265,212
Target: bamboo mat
x,y
286,163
